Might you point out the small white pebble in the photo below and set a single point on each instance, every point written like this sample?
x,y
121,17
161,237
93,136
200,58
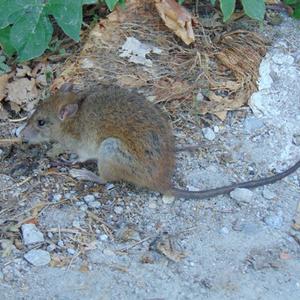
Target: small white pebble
x,y
89,198
208,133
103,237
68,196
242,195
83,207
37,257
118,210
216,129
51,247
192,188
71,251
31,234
152,204
269,195
224,230
110,186
94,204
168,199
56,197
60,243
199,97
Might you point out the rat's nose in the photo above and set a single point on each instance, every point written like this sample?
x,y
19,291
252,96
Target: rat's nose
x,y
23,133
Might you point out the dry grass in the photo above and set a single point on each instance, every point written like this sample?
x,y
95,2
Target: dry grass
x,y
223,65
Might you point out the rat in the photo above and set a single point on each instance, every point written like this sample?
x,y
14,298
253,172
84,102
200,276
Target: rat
x,y
129,137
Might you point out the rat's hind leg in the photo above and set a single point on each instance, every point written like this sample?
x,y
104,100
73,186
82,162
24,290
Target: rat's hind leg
x,y
115,163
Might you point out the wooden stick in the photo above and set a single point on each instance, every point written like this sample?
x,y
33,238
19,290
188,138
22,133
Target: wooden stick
x,y
10,141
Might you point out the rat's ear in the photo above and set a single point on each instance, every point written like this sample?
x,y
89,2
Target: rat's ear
x,y
66,87
67,111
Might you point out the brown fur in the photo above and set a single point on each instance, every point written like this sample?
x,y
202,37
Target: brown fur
x,y
112,112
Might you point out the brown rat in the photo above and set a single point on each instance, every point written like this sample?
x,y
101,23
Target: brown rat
x,y
129,137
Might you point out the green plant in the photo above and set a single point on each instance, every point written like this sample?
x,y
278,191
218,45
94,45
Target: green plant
x,y
4,68
112,3
26,28
255,9
295,5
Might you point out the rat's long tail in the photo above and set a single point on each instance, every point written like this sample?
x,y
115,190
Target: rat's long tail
x,y
227,189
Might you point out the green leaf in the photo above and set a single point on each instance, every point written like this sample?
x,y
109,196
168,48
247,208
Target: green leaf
x,y
180,1
5,41
290,2
255,9
111,4
122,3
12,10
4,68
31,34
68,14
296,13
213,2
84,2
227,7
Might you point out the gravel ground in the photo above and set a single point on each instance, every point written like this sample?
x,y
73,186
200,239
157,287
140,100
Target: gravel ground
x,y
116,242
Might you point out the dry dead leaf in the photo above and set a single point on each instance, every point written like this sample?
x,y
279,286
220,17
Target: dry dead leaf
x,y
23,71
22,93
130,81
40,73
221,115
240,52
164,245
59,261
167,89
284,255
138,52
84,267
3,113
3,86
177,18
227,65
32,220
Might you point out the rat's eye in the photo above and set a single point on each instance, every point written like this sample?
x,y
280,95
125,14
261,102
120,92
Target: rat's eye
x,y
41,123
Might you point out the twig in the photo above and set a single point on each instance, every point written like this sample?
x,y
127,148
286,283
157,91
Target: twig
x,y
10,141
98,219
17,184
18,120
67,230
136,244
72,259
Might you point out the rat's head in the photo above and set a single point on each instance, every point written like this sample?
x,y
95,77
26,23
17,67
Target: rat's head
x,y
44,125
